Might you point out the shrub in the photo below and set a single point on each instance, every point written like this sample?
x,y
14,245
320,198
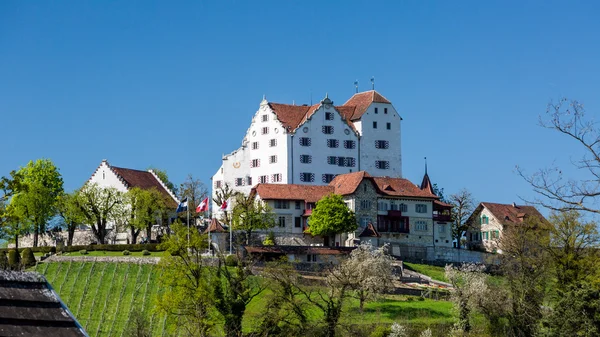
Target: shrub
x,y
3,261
14,259
231,261
381,331
28,258
270,239
145,252
83,252
126,252
52,250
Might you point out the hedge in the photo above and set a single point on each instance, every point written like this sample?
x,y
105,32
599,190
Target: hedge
x,y
153,247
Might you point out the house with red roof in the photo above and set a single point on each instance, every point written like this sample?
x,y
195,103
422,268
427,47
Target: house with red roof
x,y
312,144
489,220
389,210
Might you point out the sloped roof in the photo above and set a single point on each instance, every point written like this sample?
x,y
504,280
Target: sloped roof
x,y
426,184
509,214
215,227
292,115
348,183
400,187
29,307
144,180
308,193
317,250
362,100
369,231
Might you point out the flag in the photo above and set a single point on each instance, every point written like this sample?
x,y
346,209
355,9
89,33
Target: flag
x,y
226,205
182,205
203,207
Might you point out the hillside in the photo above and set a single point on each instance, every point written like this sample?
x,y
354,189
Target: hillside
x,y
104,296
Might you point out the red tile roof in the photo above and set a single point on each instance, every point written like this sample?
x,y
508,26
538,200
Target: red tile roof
x,y
509,214
215,227
142,179
348,183
400,187
369,231
308,193
292,115
363,100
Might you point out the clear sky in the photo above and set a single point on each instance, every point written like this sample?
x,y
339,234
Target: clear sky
x,y
175,84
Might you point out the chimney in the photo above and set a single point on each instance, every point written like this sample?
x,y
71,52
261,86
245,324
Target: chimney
x,y
514,205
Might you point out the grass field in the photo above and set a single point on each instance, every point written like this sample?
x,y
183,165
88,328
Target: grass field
x,y
103,296
436,273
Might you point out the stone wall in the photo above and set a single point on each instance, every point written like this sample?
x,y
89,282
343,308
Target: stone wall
x,y
417,253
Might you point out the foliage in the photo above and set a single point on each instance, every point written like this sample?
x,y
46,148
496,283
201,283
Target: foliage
x,y
164,177
270,239
468,283
332,216
145,252
195,191
83,252
99,206
11,226
576,312
138,325
14,259
184,278
439,191
147,205
28,258
250,214
126,252
231,260
71,214
398,331
463,206
4,261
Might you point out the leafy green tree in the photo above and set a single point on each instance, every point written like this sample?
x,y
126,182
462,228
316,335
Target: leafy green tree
x,y
250,214
185,280
331,216
35,200
164,177
463,206
71,214
147,206
576,312
99,206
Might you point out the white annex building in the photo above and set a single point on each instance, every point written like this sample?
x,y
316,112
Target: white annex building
x,y
301,144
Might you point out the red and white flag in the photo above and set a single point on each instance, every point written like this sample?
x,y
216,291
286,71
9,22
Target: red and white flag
x,y
226,205
203,207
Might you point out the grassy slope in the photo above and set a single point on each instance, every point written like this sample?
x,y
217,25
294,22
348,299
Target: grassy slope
x,y
436,273
102,296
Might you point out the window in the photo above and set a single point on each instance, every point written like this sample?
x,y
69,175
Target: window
x,y
388,126
249,181
382,164
349,144
495,234
265,130
297,221
365,204
254,145
282,204
263,179
442,228
298,204
403,208
255,163
272,159
329,116
307,177
382,206
421,208
346,161
376,110
305,158
265,118
374,125
485,220
239,181
218,183
332,160
304,141
273,142
333,143
421,225
382,144
341,161
327,177
327,129
281,221
276,178
385,110
311,257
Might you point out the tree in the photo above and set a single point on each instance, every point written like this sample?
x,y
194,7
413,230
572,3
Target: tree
x,y
576,312
372,272
195,191
222,195
331,216
100,206
35,200
11,226
468,281
439,191
69,211
147,205
462,207
185,281
164,177
556,191
250,214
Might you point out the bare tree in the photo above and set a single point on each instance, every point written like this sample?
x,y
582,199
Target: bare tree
x,y
556,191
463,205
222,195
195,191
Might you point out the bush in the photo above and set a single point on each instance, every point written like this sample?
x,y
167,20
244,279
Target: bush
x,y
83,252
52,250
381,331
270,239
231,261
126,252
14,259
3,261
28,258
145,252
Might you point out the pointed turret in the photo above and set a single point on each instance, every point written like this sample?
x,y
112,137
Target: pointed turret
x,y
426,183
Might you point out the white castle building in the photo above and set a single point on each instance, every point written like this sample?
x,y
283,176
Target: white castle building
x,y
301,144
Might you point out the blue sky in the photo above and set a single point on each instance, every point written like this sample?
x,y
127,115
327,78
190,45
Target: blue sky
x,y
175,84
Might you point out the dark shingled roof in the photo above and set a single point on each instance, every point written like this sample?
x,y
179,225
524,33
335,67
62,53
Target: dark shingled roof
x,y
29,307
369,232
215,227
144,180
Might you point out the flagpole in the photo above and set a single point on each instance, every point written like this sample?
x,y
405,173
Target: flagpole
x,y
188,222
230,238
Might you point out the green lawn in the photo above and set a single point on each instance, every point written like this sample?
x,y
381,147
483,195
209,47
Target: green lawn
x,y
110,253
436,273
103,296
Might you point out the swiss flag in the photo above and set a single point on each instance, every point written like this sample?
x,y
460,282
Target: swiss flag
x,y
203,207
225,205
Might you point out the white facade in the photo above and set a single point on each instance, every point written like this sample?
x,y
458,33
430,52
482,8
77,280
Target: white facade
x,y
322,141
105,177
